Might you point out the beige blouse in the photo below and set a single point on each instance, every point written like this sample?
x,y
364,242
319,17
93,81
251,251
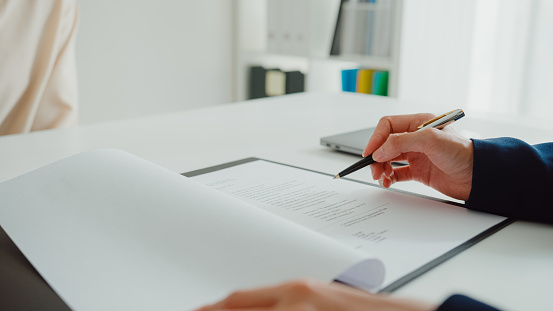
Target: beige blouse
x,y
38,77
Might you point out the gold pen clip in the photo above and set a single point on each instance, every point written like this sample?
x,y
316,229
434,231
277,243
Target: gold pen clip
x,y
446,122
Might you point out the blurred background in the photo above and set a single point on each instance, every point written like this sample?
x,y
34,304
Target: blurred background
x,y
142,57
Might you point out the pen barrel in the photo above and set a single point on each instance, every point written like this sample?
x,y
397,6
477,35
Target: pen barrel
x,y
438,122
358,165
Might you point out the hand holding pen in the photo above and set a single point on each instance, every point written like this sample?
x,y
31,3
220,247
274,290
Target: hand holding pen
x,y
438,158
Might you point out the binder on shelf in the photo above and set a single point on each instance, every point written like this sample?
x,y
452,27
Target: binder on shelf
x,y
350,39
383,28
295,82
364,28
275,82
364,81
288,27
349,80
371,17
299,25
336,38
257,82
380,83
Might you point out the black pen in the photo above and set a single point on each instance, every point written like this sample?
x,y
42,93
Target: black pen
x,y
438,122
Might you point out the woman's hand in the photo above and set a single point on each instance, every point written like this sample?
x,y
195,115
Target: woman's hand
x,y
440,159
313,296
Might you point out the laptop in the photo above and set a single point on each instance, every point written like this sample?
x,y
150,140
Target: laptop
x,y
350,142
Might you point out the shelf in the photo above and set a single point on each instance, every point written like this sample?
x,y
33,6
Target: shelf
x,y
315,20
377,62
277,60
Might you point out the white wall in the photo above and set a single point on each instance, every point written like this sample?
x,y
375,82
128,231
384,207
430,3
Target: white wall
x,y
435,52
141,57
492,56
537,99
500,45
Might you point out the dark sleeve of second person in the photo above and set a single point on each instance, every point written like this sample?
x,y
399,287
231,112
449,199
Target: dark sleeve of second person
x,y
509,178
512,178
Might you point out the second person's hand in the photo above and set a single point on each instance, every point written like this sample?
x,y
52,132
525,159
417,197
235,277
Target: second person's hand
x,y
313,296
440,159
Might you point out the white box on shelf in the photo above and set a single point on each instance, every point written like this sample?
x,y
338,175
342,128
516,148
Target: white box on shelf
x,y
287,25
299,27
367,28
383,28
274,26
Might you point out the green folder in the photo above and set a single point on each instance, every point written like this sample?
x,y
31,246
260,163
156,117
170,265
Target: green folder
x,y
380,83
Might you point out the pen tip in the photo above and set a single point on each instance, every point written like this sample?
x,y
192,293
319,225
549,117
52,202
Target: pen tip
x,y
337,176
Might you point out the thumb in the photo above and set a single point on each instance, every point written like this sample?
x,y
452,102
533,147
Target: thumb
x,y
424,141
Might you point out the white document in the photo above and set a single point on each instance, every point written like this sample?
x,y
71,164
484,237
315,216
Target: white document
x,y
404,231
110,231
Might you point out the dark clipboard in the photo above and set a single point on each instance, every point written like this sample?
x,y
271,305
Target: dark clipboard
x,y
24,288
410,276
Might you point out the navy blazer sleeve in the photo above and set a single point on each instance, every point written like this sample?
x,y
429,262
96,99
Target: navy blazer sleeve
x,y
509,178
463,303
512,178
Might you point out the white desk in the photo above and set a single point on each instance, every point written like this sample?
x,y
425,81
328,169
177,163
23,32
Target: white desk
x,y
511,269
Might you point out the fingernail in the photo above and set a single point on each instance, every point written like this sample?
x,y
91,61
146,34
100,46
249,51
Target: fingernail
x,y
378,155
388,183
